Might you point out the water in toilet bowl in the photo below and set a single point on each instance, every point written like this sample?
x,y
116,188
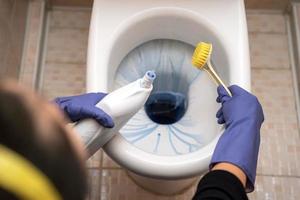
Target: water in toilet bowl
x,y
166,107
179,116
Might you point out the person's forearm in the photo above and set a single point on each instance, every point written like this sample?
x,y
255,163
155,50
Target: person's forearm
x,y
233,169
224,181
220,184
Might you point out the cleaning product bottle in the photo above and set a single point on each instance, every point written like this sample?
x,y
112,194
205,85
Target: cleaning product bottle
x,y
121,105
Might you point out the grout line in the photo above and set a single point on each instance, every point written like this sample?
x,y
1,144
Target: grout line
x,y
264,11
271,68
101,159
112,168
72,8
266,33
101,173
98,168
278,176
70,28
64,63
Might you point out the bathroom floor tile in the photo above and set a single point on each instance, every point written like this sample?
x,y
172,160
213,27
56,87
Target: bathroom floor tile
x,y
70,18
276,188
94,184
269,50
108,162
266,22
117,185
280,144
95,161
63,79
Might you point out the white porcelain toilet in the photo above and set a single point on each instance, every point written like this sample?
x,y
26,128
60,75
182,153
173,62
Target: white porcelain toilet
x,y
166,151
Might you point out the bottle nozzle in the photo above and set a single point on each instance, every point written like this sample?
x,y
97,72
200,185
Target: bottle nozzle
x,y
148,79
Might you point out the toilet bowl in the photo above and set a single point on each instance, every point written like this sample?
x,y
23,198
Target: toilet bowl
x,y
170,141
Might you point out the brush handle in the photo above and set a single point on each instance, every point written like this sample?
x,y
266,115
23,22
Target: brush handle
x,y
215,77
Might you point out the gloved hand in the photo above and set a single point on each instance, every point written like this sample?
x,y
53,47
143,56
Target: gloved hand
x,y
83,106
239,144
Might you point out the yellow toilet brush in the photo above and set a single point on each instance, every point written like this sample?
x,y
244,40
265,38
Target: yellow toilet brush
x,y
201,60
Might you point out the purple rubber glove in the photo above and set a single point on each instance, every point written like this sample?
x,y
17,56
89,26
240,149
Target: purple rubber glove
x,y
239,144
83,106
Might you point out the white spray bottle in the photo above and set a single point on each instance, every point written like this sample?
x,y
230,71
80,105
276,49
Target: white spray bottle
x,y
121,105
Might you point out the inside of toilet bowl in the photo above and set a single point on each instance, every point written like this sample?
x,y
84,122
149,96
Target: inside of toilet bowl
x,y
179,116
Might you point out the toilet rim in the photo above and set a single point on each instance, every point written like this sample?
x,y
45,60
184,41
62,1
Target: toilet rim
x,y
127,24
158,166
129,156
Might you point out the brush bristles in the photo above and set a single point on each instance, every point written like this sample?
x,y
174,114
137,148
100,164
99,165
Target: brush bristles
x,y
201,54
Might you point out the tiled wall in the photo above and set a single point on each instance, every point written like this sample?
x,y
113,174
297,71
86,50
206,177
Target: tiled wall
x,y
12,29
267,4
279,160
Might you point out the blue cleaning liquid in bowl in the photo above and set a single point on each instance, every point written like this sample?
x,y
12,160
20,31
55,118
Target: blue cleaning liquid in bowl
x,y
175,119
166,107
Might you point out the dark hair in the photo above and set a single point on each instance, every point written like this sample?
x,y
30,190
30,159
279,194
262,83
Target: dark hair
x,y
43,143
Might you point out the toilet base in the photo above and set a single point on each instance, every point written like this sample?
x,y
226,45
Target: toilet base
x,y
163,187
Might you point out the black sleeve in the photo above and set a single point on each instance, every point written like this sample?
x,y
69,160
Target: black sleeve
x,y
220,185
